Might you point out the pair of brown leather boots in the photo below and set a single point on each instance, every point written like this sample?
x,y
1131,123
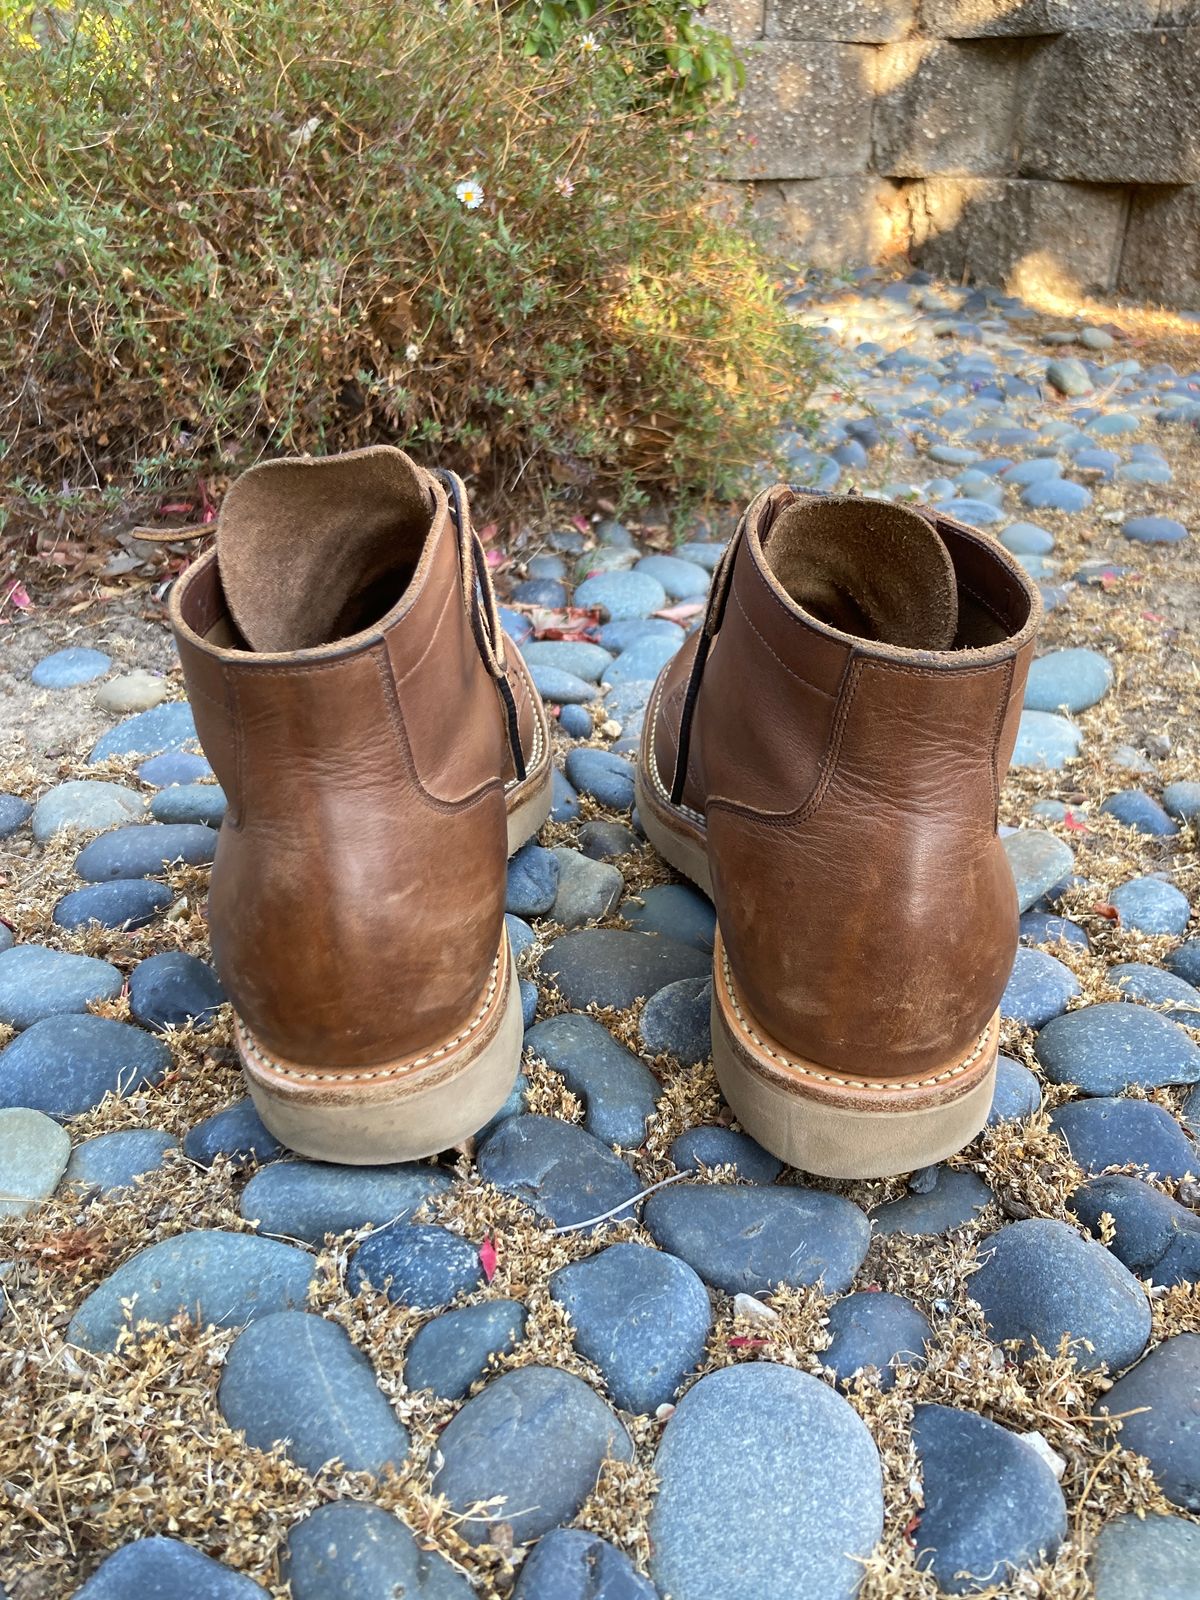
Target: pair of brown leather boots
x,y
824,757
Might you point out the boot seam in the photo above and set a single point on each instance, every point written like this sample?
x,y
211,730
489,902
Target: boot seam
x,y
383,666
791,671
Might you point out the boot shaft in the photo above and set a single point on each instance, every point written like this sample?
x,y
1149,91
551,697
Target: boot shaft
x,y
850,784
357,896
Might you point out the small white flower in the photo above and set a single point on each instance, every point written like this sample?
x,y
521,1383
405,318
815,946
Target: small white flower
x,y
564,185
411,352
588,44
470,192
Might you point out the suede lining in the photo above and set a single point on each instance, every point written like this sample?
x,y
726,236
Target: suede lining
x,y
872,570
312,550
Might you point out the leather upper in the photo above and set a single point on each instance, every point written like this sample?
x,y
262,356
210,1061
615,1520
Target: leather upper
x,y
357,896
850,791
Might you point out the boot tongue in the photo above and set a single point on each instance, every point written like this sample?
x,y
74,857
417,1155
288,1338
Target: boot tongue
x,y
874,570
311,550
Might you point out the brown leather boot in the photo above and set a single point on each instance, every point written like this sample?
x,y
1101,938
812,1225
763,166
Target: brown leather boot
x,y
382,750
824,757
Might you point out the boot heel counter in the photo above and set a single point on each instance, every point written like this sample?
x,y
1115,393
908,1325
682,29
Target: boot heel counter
x,y
894,888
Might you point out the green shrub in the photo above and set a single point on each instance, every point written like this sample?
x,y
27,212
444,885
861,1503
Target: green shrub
x,y
678,53
231,228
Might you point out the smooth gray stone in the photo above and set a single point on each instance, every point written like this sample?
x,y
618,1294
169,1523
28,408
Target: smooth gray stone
x,y
992,1505
218,1278
749,1239
34,1152
1153,1235
719,1147
683,580
309,1200
1151,906
875,1330
1182,801
174,766
163,727
532,884
620,595
605,776
675,1021
1147,1558
520,934
1139,981
619,1093
645,659
1159,1404
560,1171
348,1550
114,1160
1134,808
67,669
1045,741
145,850
453,1350
1017,1093
175,990
954,1199
571,1564
190,802
122,903
296,1379
166,1569
66,1065
676,910
603,840
83,804
614,966
1103,1133
1104,1049
1039,862
1070,680
236,1131
641,1315
533,1440
417,1264
14,813
37,983
770,1489
1039,1282
562,688
1039,987
582,660
587,889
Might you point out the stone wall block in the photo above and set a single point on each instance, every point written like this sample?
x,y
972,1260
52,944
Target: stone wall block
x,y
1161,260
833,222
1115,108
944,107
805,112
846,21
1027,234
742,20
979,19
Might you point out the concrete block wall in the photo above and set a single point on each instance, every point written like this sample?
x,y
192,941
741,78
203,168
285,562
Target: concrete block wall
x,y
1014,140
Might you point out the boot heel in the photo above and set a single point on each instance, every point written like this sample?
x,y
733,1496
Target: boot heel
x,y
839,1127
399,1110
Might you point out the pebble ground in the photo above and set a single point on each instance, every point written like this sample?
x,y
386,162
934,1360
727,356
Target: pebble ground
x,y
231,1373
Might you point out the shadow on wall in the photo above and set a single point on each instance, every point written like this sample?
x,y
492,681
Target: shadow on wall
x,y
977,138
